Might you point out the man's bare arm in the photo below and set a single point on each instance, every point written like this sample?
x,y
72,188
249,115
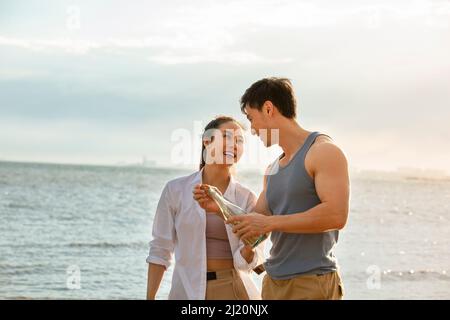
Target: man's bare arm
x,y
261,205
333,188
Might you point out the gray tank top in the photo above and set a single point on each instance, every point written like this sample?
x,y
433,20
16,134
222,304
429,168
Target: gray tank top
x,y
290,189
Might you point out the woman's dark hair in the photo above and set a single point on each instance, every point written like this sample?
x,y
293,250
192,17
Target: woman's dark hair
x,y
277,90
215,124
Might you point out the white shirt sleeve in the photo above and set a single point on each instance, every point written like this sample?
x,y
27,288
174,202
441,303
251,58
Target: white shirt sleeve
x,y
164,234
239,262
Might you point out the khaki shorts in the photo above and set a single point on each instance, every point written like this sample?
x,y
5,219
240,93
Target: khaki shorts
x,y
306,287
227,286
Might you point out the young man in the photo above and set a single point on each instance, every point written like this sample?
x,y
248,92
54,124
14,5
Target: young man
x,y
304,202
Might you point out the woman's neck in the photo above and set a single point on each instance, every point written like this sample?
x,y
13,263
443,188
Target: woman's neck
x,y
218,176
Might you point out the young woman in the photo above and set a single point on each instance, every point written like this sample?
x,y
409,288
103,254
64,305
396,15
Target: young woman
x,y
210,261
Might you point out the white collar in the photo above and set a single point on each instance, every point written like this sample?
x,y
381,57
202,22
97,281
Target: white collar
x,y
230,193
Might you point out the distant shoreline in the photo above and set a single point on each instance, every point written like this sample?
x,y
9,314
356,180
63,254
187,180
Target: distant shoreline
x,y
409,175
38,163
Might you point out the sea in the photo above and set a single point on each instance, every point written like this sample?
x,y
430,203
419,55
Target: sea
x,y
83,232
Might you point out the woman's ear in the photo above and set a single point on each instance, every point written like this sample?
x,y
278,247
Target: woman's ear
x,y
207,141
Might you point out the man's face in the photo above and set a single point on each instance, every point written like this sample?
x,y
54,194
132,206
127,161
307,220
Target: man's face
x,y
260,125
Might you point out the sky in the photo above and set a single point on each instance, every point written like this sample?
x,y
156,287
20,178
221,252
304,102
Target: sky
x,y
107,82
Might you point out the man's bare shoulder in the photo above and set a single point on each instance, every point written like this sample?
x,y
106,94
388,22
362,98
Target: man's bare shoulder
x,y
325,146
325,151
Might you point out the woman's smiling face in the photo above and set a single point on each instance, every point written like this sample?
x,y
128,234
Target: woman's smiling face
x,y
226,146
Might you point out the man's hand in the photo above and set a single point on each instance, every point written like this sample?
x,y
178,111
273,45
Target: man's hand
x,y
251,225
204,200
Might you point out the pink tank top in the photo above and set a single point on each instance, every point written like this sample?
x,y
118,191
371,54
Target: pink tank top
x,y
217,244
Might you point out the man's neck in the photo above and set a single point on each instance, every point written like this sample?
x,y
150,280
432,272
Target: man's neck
x,y
292,137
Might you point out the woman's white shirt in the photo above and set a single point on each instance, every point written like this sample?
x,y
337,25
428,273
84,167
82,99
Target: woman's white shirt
x,y
179,227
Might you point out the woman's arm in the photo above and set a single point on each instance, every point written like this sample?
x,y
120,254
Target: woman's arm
x,y
247,253
162,244
155,274
248,258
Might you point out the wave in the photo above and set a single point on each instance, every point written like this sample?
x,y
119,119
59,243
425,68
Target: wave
x,y
78,245
17,298
19,206
107,244
23,269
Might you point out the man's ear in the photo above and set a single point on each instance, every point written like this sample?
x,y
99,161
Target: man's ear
x,y
268,108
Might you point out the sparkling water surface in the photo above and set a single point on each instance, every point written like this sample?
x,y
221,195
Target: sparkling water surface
x,y
55,219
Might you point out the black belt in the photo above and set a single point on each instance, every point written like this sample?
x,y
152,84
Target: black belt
x,y
211,275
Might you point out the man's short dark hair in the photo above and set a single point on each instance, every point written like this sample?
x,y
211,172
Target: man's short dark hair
x,y
277,90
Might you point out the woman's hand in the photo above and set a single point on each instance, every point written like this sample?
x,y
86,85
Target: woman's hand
x,y
203,199
247,253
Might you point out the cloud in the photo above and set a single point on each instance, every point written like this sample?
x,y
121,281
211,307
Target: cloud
x,y
208,31
67,45
238,58
174,56
73,141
